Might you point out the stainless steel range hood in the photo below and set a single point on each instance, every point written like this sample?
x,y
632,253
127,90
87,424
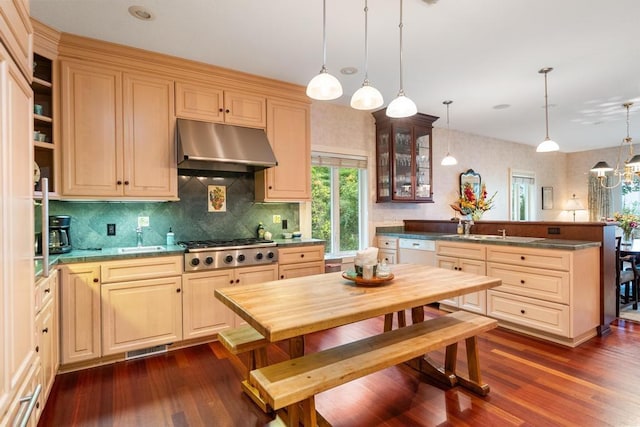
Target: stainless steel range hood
x,y
212,147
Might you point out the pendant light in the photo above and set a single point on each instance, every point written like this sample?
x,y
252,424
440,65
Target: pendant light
x,y
626,173
448,160
548,144
324,86
401,106
367,97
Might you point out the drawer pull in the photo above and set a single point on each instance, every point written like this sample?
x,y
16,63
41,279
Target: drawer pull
x,y
282,276
231,282
301,255
522,257
522,281
237,280
522,311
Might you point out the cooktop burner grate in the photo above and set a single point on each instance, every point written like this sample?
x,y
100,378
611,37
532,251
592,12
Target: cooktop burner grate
x,y
224,243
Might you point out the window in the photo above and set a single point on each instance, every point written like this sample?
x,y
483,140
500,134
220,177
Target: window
x,y
338,206
523,192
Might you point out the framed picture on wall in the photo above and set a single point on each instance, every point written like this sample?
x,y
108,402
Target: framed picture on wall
x,y
547,198
217,195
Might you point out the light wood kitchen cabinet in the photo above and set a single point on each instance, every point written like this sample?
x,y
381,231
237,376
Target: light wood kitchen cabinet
x,y
199,101
387,249
45,122
17,286
141,303
203,314
553,294
299,261
47,335
15,33
117,133
470,259
288,131
80,336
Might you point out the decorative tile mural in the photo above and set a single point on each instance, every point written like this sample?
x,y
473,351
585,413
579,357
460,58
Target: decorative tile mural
x,y
188,218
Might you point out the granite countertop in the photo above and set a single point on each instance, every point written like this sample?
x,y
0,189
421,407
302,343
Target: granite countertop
x,y
541,243
110,254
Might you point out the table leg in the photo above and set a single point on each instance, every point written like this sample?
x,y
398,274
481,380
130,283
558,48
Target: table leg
x,y
296,347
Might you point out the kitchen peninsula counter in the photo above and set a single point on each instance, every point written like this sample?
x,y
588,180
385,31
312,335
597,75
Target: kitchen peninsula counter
x,y
542,243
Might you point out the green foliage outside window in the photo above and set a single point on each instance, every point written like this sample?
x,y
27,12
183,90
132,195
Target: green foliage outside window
x,y
347,219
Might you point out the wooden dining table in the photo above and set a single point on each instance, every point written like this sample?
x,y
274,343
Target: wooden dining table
x,y
292,308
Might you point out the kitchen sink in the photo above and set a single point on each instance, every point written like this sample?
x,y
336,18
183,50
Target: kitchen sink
x,y
140,249
496,238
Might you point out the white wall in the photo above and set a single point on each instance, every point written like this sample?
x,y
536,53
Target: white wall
x,y
343,129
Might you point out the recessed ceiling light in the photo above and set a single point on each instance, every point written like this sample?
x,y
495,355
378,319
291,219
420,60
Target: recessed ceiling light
x,y
501,106
141,13
349,70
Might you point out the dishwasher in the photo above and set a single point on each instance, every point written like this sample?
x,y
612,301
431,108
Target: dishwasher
x,y
417,251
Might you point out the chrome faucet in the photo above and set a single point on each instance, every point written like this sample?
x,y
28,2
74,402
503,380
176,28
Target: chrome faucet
x,y
467,227
139,236
504,232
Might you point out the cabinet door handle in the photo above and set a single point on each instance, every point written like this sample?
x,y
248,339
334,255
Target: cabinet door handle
x,y
227,111
46,291
178,290
231,282
118,182
95,280
282,276
37,349
220,110
45,331
237,280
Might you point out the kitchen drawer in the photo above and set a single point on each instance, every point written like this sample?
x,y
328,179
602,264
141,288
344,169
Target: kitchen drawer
x,y
300,269
530,257
141,268
387,255
541,315
548,285
387,242
299,254
461,250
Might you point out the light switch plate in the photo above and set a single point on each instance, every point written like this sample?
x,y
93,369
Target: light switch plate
x,y
277,219
143,221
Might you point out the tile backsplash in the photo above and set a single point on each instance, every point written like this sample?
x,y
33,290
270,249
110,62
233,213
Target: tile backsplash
x,y
188,218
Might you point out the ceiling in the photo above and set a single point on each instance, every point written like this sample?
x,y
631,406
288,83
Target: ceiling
x,y
483,55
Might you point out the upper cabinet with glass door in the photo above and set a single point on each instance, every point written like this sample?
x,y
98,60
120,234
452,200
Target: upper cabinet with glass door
x,y
403,158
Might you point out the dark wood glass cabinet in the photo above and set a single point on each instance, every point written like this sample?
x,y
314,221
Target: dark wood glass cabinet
x,y
403,158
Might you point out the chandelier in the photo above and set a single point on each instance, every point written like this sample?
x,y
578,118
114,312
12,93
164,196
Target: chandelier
x,y
631,165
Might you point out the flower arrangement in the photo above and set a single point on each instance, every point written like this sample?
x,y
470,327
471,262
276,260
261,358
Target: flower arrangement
x,y
470,204
628,221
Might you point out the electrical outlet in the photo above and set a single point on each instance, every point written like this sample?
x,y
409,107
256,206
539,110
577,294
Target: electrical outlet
x,y
111,229
277,219
143,221
284,224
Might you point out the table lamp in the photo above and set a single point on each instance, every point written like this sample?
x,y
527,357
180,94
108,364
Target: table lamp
x,y
574,205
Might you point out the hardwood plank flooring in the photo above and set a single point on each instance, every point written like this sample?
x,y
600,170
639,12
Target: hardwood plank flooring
x,y
533,383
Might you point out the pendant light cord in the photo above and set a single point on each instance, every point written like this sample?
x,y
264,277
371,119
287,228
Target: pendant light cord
x,y
448,130
400,26
546,103
324,34
366,43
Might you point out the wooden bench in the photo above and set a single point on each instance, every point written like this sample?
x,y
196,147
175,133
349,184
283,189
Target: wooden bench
x,y
287,383
245,339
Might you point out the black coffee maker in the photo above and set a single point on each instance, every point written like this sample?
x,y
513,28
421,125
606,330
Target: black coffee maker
x,y
59,237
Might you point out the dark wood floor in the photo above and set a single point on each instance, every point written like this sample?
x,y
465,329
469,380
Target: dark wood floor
x,y
533,383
